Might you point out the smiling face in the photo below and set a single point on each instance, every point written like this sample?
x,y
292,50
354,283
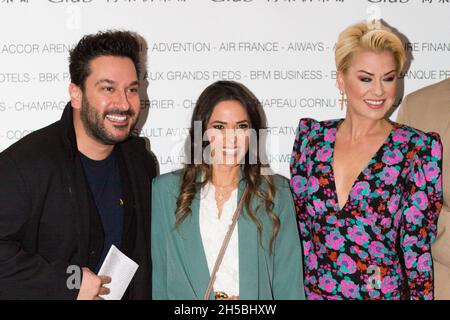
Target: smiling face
x,y
370,84
110,103
227,132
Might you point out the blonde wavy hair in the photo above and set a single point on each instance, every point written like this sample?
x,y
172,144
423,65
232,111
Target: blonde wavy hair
x,y
371,36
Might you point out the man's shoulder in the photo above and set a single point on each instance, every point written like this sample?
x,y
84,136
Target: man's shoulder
x,y
43,141
433,91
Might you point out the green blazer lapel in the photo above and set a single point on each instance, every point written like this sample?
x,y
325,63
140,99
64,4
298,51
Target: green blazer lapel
x,y
248,253
194,254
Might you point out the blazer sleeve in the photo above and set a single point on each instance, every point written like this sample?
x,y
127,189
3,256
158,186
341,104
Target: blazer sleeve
x,y
288,266
159,229
24,275
403,112
420,214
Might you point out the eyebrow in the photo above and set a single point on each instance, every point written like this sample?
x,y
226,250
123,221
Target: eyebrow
x,y
112,82
371,74
223,122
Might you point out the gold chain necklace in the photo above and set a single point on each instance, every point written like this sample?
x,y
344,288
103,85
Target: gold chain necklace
x,y
221,190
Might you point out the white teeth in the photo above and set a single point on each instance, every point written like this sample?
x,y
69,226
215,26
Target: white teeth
x,y
375,103
230,150
116,118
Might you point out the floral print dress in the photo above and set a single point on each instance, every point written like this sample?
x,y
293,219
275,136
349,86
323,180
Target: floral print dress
x,y
378,246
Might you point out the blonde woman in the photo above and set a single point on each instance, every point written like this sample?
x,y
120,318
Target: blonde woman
x,y
367,190
192,210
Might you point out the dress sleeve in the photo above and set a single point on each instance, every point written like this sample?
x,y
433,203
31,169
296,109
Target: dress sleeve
x,y
298,183
423,202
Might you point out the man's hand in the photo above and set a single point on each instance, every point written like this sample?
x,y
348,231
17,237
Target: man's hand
x,y
92,286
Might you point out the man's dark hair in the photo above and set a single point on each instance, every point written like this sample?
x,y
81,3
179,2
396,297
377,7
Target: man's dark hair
x,y
103,43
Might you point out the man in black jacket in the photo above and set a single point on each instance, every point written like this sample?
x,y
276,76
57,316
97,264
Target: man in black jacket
x,y
71,190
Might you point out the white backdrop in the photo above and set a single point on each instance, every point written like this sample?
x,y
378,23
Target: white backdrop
x,y
281,50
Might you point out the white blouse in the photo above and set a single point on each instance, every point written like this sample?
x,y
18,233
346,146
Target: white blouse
x,y
213,231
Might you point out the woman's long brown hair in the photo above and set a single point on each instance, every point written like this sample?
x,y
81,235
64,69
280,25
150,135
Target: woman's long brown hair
x,y
251,173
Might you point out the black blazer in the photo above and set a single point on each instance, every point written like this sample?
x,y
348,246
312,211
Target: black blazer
x,y
48,218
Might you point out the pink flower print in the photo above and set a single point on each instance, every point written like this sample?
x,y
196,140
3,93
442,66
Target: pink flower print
x,y
311,261
330,136
327,283
310,210
394,203
420,200
436,149
386,222
314,296
308,246
392,157
360,189
319,205
298,184
377,249
324,154
401,136
388,284
410,259
424,263
315,125
431,171
312,185
349,289
334,240
414,215
419,178
358,235
389,175
409,241
348,266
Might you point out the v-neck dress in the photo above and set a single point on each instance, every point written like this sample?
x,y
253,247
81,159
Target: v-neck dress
x,y
378,246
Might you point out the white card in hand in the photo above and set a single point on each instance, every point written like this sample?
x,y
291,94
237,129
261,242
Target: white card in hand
x,y
121,269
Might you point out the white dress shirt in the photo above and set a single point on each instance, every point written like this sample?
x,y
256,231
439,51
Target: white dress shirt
x,y
213,231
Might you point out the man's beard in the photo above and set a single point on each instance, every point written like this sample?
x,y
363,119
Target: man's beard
x,y
93,122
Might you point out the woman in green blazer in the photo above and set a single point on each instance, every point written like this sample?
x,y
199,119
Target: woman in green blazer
x,y
192,210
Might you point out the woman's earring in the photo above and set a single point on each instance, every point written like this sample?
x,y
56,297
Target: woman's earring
x,y
342,99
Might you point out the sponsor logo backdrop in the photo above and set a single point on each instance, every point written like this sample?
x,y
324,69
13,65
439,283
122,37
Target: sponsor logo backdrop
x,y
281,50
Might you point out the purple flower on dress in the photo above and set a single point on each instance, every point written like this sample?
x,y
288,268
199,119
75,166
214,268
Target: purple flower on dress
x,y
431,171
401,136
314,296
348,266
298,184
389,284
334,240
377,249
392,157
327,283
324,154
419,178
310,210
319,205
330,136
311,261
349,289
436,149
394,203
359,190
414,215
409,241
358,235
420,200
389,175
424,263
410,259
312,185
